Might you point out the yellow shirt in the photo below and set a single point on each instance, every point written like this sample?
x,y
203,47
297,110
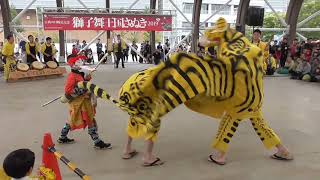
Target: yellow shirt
x,y
28,45
44,47
8,49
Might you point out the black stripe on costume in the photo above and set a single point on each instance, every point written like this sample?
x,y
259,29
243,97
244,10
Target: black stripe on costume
x,y
184,75
99,92
194,70
168,100
257,82
181,89
175,95
92,87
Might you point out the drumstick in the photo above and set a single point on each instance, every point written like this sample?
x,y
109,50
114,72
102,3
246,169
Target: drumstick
x,y
53,100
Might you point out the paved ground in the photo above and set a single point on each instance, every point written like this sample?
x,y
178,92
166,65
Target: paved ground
x,y
291,107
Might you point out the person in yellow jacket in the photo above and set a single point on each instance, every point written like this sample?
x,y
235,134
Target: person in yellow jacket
x,y
48,51
256,40
31,50
8,56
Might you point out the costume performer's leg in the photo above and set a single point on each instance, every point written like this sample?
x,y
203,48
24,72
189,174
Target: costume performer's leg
x,y
7,67
93,132
227,128
64,132
266,134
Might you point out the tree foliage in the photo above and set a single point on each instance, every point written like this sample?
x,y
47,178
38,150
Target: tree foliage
x,y
308,8
14,13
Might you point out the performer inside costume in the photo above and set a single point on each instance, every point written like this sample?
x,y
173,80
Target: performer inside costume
x,y
228,88
81,104
7,56
31,50
48,51
256,40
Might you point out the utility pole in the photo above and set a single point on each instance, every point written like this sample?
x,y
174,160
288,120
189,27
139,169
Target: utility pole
x,y
61,35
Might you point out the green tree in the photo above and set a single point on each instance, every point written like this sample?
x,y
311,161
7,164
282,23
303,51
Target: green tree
x,y
308,8
14,13
271,21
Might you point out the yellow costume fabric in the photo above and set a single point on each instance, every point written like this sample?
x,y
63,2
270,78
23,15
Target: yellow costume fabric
x,y
81,112
265,51
8,67
8,52
44,47
32,45
229,88
3,175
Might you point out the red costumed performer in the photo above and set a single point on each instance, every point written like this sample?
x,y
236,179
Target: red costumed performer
x,y
81,104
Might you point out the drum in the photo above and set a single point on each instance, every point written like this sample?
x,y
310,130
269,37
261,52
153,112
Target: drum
x,y
37,65
22,67
52,64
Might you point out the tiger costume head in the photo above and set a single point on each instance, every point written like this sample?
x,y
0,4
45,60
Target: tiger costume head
x,y
219,33
137,95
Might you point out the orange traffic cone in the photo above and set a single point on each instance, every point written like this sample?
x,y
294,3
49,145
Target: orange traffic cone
x,y
48,158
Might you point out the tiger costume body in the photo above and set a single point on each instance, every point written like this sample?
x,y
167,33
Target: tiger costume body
x,y
229,88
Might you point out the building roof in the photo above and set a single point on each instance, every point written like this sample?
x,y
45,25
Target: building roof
x,y
21,4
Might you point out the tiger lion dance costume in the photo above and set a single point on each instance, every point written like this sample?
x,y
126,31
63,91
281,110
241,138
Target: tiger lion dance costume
x,y
229,88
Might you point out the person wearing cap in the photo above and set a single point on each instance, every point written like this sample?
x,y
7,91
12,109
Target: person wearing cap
x,y
256,40
81,104
48,51
8,56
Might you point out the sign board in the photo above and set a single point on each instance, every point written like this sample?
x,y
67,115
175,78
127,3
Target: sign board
x,y
112,22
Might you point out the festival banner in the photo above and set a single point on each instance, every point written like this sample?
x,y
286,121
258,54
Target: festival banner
x,y
112,22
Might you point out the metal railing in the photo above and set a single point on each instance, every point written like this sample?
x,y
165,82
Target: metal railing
x,y
109,11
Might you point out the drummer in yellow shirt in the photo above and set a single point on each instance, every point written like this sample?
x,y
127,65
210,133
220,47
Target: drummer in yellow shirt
x,y
256,40
7,54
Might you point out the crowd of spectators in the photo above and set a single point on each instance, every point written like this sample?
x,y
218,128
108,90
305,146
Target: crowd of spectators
x,y
300,59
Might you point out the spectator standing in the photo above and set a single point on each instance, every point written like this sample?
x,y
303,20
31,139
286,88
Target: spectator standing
x,y
84,44
22,47
126,53
78,45
133,53
157,56
147,51
159,47
294,48
118,47
99,49
284,51
75,50
166,47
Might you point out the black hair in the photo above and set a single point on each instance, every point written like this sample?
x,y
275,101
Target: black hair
x,y
48,38
30,36
9,36
18,163
71,56
257,30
